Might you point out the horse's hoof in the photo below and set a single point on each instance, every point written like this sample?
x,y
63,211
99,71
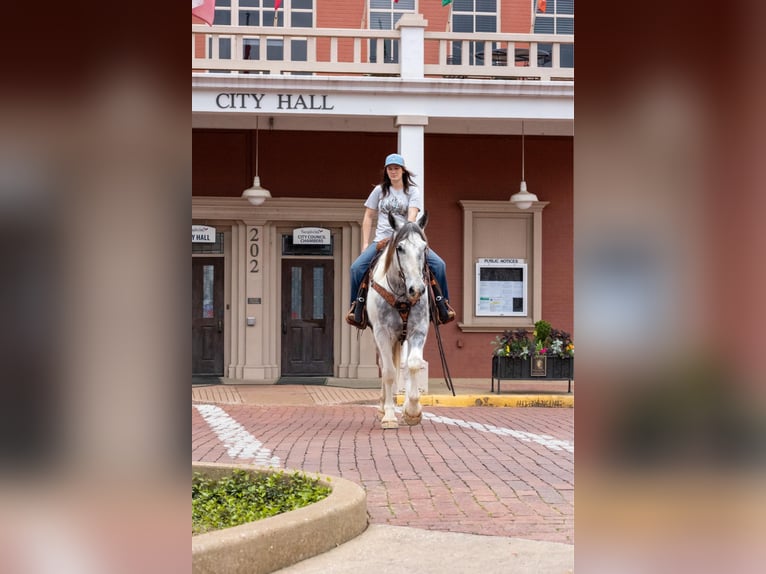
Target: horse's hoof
x,y
389,424
412,421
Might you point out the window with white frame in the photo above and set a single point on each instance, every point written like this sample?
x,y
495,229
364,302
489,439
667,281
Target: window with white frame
x,y
244,13
558,18
291,13
472,16
222,18
384,15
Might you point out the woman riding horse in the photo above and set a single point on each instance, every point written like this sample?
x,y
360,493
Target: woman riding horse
x,y
398,308
397,194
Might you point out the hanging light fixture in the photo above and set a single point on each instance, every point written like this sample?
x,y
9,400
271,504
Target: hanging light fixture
x,y
256,194
523,199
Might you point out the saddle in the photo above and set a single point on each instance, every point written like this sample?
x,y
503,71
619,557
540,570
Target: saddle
x,y
357,315
441,311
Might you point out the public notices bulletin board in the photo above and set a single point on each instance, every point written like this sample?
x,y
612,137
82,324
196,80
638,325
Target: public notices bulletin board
x,y
501,287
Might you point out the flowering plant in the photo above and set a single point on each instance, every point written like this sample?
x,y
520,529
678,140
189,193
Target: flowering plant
x,y
514,344
545,341
561,344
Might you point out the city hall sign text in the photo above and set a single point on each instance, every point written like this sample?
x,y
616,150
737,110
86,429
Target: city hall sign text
x,y
241,100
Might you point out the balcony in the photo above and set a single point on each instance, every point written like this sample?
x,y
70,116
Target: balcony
x,y
389,53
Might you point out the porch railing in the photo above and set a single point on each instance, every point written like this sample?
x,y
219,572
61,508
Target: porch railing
x,y
341,51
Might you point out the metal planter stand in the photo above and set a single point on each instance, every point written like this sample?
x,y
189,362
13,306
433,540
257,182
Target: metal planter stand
x,y
510,368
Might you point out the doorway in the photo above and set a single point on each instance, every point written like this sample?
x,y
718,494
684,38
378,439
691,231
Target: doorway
x,y
307,317
207,315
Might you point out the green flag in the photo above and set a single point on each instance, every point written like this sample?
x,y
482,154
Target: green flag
x,y
445,2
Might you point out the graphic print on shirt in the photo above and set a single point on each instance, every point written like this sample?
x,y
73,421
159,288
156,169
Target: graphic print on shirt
x,y
393,204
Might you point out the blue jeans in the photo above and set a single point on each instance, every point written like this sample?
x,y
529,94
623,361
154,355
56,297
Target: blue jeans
x,y
362,263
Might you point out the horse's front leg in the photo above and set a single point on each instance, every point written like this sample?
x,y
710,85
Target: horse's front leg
x,y
413,410
389,358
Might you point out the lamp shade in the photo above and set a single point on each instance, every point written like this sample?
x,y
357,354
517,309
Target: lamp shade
x,y
523,199
256,195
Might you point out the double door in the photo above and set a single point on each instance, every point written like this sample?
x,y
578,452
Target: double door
x,y
306,319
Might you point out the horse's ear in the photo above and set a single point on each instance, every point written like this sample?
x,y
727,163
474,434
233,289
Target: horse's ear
x,y
423,221
392,221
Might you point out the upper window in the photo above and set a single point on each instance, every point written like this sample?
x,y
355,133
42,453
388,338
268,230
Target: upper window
x,y
557,19
299,13
222,12
292,13
384,15
474,16
471,16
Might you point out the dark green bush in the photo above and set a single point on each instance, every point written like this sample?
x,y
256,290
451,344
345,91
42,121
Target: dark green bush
x,y
542,332
244,497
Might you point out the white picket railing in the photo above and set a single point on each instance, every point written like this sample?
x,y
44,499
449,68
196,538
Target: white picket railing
x,y
341,51
530,61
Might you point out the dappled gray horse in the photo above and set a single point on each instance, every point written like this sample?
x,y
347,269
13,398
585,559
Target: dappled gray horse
x,y
397,306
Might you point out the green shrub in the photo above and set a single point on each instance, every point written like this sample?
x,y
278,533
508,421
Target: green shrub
x,y
542,332
244,497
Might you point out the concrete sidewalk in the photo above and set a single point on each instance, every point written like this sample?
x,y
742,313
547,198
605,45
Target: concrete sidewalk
x,y
468,392
402,550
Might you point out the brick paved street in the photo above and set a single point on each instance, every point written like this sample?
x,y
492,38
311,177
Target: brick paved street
x,y
479,470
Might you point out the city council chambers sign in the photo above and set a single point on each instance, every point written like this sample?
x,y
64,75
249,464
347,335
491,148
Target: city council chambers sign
x,y
311,236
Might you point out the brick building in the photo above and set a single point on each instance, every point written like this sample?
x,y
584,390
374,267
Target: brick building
x,y
311,102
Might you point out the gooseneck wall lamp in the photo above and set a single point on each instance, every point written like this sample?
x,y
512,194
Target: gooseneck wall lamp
x,y
256,194
522,198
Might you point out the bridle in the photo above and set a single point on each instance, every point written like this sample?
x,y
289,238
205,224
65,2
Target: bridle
x,y
402,303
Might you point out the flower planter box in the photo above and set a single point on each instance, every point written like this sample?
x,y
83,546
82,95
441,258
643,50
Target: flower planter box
x,y
509,368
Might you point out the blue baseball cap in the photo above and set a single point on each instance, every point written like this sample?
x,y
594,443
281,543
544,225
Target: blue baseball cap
x,y
394,159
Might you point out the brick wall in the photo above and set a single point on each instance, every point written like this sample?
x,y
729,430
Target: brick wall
x,y
347,165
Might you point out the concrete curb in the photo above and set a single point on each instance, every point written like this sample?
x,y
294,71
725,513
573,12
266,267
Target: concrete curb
x,y
549,401
267,545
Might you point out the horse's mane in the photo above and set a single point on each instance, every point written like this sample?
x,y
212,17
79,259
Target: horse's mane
x,y
401,234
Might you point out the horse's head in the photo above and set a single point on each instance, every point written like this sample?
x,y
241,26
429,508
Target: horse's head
x,y
408,250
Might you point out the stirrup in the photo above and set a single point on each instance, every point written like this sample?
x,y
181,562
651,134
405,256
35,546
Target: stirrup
x,y
357,315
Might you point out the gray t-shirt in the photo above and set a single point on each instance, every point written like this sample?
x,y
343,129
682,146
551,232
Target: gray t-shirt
x,y
396,202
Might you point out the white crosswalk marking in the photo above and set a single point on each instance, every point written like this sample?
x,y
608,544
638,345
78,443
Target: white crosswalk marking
x,y
542,439
238,441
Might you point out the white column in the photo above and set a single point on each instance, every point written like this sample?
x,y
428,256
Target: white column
x,y
411,146
411,48
258,300
237,289
358,358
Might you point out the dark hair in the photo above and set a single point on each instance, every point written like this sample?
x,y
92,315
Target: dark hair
x,y
407,180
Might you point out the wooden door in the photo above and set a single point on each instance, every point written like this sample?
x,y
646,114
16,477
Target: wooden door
x,y
207,316
307,317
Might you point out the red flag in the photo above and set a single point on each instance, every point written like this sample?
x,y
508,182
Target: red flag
x,y
277,4
204,9
541,5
